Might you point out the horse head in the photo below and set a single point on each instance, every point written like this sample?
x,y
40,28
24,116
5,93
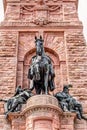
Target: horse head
x,y
39,45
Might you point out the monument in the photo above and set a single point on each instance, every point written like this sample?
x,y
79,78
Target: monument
x,y
57,23
41,71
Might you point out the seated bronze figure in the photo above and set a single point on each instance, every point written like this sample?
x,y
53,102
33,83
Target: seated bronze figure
x,y
68,103
20,97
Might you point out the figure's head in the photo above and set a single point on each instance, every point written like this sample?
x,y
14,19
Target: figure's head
x,y
19,86
39,45
66,88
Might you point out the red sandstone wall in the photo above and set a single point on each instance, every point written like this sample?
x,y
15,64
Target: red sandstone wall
x,y
77,67
64,43
8,69
77,60
8,62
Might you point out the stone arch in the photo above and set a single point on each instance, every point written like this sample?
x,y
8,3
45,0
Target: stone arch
x,y
53,55
59,65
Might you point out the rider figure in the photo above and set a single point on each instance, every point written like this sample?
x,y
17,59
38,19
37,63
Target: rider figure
x,y
41,73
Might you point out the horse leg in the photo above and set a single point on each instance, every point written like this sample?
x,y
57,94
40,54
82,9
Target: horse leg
x,y
46,82
51,78
37,89
37,72
51,84
31,84
30,73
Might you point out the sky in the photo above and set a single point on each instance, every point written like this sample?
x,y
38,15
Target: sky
x,y
82,12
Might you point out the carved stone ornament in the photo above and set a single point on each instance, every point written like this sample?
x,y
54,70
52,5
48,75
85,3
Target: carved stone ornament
x,y
41,13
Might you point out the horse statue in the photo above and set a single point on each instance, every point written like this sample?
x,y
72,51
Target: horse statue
x,y
41,73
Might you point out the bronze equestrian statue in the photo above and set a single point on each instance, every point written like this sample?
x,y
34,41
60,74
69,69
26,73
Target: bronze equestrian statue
x,y
41,73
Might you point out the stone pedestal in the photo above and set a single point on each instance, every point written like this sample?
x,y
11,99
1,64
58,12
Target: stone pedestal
x,y
42,113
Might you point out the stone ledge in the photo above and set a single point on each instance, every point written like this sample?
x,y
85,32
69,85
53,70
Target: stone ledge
x,y
23,24
41,103
69,114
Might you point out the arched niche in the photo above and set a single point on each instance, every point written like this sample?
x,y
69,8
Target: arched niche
x,y
27,61
51,53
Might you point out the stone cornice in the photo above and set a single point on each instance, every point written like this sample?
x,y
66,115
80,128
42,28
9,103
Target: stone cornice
x,y
69,114
26,1
18,25
48,108
38,103
31,109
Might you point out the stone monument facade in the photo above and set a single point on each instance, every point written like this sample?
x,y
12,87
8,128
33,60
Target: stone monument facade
x,y
58,23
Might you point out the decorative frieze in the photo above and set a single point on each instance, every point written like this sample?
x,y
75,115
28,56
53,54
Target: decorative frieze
x,y
40,13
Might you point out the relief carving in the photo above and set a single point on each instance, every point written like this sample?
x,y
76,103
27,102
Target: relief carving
x,y
12,12
55,13
26,12
41,13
